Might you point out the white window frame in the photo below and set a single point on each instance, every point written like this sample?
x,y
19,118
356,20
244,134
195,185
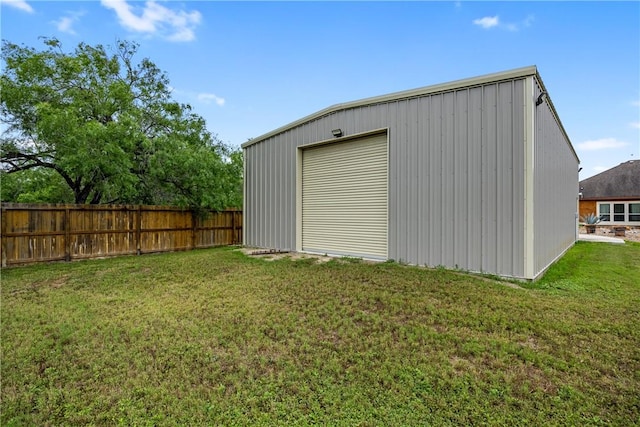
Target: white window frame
x,y
635,213
599,213
626,213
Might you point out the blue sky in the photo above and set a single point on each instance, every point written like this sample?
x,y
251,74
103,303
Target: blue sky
x,y
250,67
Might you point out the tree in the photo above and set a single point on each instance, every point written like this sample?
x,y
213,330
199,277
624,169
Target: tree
x,y
39,185
109,128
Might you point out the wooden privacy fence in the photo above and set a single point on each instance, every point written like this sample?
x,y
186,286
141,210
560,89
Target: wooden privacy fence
x,y
47,232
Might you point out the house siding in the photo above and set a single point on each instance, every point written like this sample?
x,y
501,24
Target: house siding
x,y
556,187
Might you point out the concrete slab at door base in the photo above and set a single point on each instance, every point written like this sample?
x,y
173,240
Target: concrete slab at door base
x,y
602,239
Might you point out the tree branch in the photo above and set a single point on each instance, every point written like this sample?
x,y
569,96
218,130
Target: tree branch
x,y
24,161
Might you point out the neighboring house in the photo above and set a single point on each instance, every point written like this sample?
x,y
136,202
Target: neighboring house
x,y
613,195
476,174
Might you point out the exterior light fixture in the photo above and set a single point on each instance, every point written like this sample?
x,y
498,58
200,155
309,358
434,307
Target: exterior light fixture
x,y
540,99
337,133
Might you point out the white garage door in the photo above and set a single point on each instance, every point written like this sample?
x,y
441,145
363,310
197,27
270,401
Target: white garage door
x,y
344,198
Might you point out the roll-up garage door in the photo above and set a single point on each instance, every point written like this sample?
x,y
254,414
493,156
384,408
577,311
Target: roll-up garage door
x,y
344,198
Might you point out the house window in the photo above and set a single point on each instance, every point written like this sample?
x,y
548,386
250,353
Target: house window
x,y
622,212
634,212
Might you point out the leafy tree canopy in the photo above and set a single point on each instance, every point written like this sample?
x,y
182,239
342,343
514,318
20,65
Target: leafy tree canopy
x,y
39,185
99,127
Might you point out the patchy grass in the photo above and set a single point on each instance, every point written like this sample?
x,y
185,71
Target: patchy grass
x,y
215,337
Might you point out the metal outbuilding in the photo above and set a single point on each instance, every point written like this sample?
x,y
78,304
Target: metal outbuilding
x,y
477,174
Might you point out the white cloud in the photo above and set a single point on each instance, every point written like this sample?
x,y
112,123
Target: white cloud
x,y
494,21
127,18
528,20
635,103
210,97
65,23
204,97
182,35
635,125
18,4
487,22
601,144
153,18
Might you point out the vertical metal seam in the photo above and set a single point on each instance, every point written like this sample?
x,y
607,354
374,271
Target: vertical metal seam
x,y
468,197
388,153
451,115
482,171
529,135
498,201
298,201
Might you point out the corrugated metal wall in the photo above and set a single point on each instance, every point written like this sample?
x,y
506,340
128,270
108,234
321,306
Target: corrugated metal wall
x,y
555,187
270,185
456,180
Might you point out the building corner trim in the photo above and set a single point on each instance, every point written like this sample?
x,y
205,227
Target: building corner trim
x,y
529,177
244,197
299,199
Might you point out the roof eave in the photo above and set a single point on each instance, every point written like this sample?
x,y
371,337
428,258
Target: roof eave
x,y
555,114
609,198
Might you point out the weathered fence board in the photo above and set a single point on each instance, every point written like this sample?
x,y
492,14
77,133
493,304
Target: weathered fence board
x,y
46,232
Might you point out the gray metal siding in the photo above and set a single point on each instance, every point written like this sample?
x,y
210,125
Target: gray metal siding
x,y
456,185
457,180
555,187
269,211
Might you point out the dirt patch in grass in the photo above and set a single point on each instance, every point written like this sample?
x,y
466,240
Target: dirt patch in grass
x,y
59,282
38,285
274,255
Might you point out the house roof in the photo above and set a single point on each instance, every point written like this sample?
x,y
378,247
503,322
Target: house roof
x,y
413,93
620,182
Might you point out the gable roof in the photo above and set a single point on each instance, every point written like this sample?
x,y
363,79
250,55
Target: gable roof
x,y
413,93
620,182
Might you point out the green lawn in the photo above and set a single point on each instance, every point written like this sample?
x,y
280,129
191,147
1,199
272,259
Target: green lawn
x,y
213,337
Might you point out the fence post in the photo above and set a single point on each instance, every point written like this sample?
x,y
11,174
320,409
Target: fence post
x,y
233,227
138,227
67,234
193,229
3,214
